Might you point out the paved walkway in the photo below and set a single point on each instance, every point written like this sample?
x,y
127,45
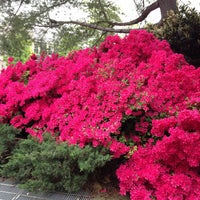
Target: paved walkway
x,y
10,191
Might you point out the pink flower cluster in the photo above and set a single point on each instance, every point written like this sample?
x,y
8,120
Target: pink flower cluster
x,y
134,96
170,169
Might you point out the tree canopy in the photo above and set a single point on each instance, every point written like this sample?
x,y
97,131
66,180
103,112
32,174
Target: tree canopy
x,y
100,18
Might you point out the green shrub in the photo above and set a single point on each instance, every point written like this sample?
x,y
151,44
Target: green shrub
x,y
182,31
7,141
50,165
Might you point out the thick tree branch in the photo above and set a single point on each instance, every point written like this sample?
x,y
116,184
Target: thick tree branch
x,y
142,17
54,23
145,13
164,5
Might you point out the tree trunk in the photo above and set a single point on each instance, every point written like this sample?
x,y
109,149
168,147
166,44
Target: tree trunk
x,y
166,6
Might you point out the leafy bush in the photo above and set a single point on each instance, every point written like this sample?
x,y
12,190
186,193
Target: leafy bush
x,y
53,165
7,141
129,96
182,31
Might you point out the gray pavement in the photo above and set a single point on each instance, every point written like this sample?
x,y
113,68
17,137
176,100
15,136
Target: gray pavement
x,y
10,191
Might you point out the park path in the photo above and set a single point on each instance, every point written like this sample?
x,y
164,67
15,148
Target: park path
x,y
10,191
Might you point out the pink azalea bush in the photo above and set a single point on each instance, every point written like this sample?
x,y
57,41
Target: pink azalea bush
x,y
169,169
134,96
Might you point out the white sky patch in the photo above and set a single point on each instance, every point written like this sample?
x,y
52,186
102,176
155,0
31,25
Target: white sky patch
x,y
66,14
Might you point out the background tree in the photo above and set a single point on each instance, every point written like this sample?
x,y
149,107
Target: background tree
x,y
100,18
16,40
36,16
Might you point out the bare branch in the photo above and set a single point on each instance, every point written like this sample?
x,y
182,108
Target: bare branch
x,y
143,16
20,5
145,13
99,39
54,23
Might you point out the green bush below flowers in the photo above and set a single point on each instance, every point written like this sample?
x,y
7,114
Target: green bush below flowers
x,y
7,141
52,165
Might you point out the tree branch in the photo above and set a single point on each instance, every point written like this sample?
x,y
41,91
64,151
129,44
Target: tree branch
x,y
99,39
20,5
145,13
143,16
54,23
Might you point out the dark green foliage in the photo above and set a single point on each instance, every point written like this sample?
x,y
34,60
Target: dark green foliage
x,y
49,165
7,141
182,31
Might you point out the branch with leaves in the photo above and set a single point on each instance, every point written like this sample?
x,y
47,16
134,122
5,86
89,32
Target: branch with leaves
x,y
145,13
164,5
103,18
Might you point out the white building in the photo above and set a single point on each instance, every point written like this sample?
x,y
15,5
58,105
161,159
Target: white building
x,y
2,63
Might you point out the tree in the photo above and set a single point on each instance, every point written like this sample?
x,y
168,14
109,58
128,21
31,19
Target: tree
x,y
36,16
15,40
102,18
164,5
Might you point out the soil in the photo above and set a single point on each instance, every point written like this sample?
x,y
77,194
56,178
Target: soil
x,y
104,184
106,193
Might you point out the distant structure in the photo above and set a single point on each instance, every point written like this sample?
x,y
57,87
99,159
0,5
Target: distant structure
x,y
39,46
2,63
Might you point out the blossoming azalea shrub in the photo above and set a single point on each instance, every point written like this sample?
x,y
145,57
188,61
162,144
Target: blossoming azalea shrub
x,y
127,95
169,169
